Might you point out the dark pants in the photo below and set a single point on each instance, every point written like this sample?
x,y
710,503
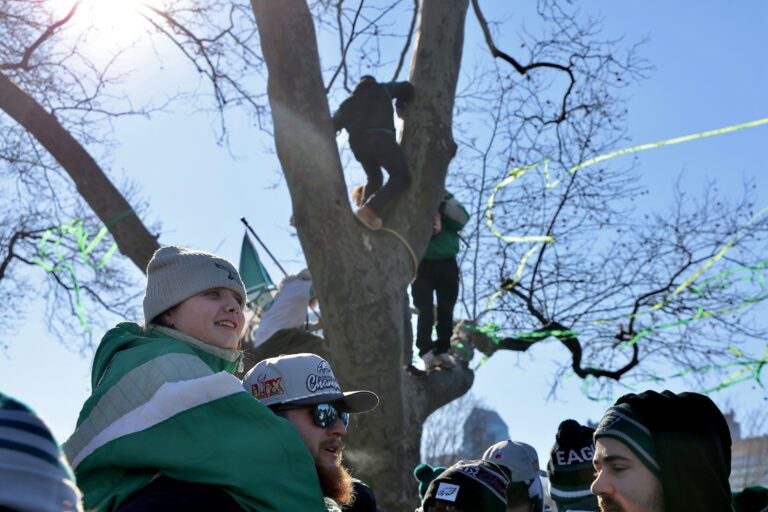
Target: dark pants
x,y
374,150
168,494
440,277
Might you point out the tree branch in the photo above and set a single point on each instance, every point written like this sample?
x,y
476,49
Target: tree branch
x,y
24,62
133,238
519,67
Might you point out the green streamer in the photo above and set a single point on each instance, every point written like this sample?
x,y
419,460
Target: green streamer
x,y
48,250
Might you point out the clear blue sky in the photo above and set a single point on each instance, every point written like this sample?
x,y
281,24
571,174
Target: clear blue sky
x,y
711,71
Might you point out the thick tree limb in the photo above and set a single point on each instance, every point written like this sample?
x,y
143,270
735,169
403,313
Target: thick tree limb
x,y
133,238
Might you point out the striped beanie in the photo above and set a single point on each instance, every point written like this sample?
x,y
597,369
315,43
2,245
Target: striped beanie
x,y
570,468
34,476
175,274
621,423
476,485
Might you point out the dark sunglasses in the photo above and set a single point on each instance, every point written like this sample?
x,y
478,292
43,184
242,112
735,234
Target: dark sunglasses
x,y
324,415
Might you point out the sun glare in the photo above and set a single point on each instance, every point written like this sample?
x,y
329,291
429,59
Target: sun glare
x,y
116,21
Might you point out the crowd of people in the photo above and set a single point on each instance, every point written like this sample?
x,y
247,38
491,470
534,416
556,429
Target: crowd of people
x,y
169,427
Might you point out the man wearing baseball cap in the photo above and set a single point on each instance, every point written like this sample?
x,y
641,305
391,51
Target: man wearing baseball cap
x,y
525,492
302,389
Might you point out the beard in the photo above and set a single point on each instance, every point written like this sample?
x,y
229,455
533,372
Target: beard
x,y
336,482
608,503
654,502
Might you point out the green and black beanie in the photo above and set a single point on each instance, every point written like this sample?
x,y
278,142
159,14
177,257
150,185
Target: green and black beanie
x,y
476,485
570,470
683,439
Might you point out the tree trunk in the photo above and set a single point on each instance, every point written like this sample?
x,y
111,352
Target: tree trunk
x,y
132,237
361,276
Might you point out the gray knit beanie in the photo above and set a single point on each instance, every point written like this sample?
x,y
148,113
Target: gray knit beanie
x,y
175,274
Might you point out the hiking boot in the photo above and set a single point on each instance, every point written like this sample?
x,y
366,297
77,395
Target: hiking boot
x,y
368,217
445,361
430,361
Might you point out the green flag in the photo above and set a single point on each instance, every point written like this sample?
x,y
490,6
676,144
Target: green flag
x,y
258,284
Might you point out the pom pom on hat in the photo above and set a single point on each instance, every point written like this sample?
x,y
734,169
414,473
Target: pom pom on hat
x,y
424,474
570,468
477,485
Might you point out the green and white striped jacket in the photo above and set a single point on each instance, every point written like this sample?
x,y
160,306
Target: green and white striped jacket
x,y
166,403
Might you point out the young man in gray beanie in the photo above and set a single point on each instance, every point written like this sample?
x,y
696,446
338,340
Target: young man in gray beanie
x,y
302,389
168,426
663,452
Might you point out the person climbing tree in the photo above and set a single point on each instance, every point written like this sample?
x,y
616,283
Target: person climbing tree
x,y
367,117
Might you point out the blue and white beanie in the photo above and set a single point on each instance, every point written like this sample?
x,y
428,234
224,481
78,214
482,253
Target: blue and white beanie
x,y
34,476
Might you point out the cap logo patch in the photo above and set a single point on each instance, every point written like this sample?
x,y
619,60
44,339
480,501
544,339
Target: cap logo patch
x,y
447,492
230,275
491,480
584,455
323,367
321,382
266,388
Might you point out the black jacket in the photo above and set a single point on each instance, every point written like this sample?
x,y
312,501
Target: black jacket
x,y
369,109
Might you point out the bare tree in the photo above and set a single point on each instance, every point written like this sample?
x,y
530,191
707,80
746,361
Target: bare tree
x,y
554,98
57,100
564,245
442,436
361,276
56,198
462,429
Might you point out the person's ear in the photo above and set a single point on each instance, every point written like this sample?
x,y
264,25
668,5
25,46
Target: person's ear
x,y
168,318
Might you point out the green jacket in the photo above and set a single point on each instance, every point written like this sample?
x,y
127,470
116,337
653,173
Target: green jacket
x,y
453,217
166,403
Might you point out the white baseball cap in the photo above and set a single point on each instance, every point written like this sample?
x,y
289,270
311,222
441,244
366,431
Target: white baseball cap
x,y
303,379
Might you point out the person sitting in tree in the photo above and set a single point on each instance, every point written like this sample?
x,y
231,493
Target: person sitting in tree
x,y
438,274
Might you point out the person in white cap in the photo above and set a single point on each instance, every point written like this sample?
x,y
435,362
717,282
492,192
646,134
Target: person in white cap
x,y
302,389
525,492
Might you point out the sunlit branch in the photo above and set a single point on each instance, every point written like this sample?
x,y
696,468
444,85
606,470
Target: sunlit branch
x,y
24,62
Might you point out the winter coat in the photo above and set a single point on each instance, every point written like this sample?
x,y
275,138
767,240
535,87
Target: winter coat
x,y
164,403
453,217
369,110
